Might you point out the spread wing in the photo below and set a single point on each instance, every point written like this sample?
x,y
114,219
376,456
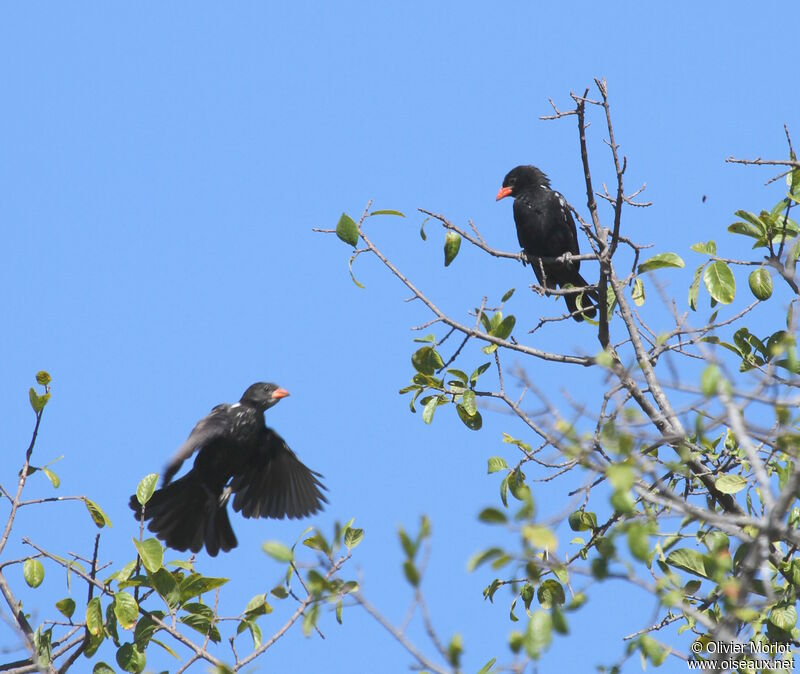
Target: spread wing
x,y
278,485
216,425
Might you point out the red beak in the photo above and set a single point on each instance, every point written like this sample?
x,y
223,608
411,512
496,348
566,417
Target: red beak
x,y
503,193
279,393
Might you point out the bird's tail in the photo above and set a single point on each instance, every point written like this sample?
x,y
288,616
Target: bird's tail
x,y
186,515
587,300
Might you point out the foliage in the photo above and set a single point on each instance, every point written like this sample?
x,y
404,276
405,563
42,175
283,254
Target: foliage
x,y
688,460
155,601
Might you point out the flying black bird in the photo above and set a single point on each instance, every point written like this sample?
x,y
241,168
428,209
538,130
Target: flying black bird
x,y
236,454
545,228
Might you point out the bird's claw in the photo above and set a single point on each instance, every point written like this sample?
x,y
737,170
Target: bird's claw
x,y
523,257
539,290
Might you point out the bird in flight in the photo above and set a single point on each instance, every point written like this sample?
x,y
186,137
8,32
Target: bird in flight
x,y
237,455
545,228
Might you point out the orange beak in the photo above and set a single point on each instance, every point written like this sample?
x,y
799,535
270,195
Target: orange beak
x,y
503,193
279,393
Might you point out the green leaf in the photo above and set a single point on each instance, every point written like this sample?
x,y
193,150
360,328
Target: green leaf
x,y
621,475
310,619
452,243
504,489
793,180
507,295
692,587
422,234
411,573
611,301
126,609
151,552
253,628
279,591
427,360
745,229
146,487
559,620
581,520
102,668
468,401
165,584
730,484
54,479
539,634
784,617
388,212
43,378
278,550
98,516
622,501
94,617
719,281
492,516
352,537
503,329
478,372
497,463
352,276
461,376
130,658
429,409
347,230
482,557
638,292
33,572
487,667
708,248
709,380
688,560
539,536
257,606
317,542
66,607
653,650
454,650
123,574
146,628
660,261
196,584
694,289
639,541
551,593
38,401
95,641
760,284
471,421
754,221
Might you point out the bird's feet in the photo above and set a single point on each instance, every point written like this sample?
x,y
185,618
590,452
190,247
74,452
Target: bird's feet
x,y
523,257
541,291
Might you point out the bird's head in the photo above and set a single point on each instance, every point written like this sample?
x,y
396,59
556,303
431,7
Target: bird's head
x,y
263,396
520,179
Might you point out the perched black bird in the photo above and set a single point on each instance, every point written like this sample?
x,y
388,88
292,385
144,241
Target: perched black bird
x,y
236,454
545,228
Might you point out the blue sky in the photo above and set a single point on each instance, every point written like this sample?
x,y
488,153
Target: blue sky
x,y
161,170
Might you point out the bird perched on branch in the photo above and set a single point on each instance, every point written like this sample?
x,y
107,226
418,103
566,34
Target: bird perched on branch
x,y
545,228
237,454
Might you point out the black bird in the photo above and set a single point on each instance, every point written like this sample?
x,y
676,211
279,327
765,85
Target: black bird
x,y
236,454
545,228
